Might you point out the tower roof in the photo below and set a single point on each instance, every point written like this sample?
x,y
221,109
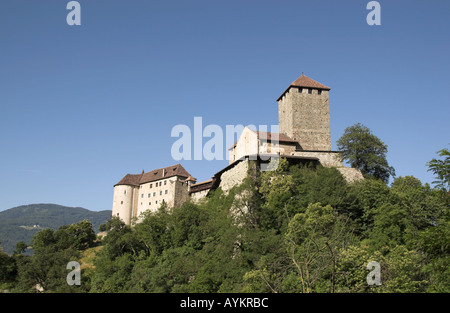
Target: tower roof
x,y
306,82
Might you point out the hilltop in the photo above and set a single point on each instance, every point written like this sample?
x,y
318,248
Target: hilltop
x,y
22,222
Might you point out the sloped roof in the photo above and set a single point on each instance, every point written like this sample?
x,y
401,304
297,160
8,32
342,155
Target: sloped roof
x,y
165,172
306,82
130,179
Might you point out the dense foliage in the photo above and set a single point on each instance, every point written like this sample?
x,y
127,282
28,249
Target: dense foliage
x,y
366,152
296,229
23,222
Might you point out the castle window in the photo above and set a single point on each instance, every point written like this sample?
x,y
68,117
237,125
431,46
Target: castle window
x,y
142,195
165,182
319,92
166,191
310,90
124,192
121,202
117,214
156,202
160,183
149,203
154,194
300,90
150,185
160,193
149,195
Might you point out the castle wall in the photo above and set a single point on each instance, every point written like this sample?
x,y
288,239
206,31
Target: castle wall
x,y
327,159
181,194
234,176
285,117
247,144
351,174
281,148
197,196
152,194
306,118
123,201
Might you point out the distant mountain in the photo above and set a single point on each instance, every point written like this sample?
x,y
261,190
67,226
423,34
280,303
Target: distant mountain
x,y
22,222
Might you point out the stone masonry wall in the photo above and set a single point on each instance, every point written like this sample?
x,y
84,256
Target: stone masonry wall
x,y
306,118
327,159
234,176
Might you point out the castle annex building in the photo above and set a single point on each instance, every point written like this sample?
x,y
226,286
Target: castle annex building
x,y
304,136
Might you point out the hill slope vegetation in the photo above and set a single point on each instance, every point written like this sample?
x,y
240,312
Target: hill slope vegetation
x,y
23,222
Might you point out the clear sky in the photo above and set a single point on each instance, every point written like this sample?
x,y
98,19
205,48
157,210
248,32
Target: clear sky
x,y
81,106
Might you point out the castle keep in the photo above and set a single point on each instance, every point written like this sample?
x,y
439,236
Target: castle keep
x,y
304,136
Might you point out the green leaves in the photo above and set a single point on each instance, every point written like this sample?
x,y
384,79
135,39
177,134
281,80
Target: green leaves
x,y
441,168
364,151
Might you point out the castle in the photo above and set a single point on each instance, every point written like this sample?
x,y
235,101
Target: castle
x,y
304,136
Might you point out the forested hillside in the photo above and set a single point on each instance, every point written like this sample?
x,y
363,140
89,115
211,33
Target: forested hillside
x,y
23,222
296,229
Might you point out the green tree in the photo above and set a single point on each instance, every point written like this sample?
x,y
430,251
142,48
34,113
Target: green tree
x,y
401,270
441,168
314,239
395,216
21,247
8,270
365,151
434,241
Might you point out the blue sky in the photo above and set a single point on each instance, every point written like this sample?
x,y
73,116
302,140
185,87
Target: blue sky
x,y
81,106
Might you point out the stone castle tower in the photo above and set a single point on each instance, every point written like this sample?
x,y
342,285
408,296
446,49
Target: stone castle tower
x,y
304,114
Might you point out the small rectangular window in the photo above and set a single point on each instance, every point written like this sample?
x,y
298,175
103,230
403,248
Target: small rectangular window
x,y
319,92
166,191
165,182
124,192
150,185
160,193
310,90
154,194
300,90
142,195
149,195
121,202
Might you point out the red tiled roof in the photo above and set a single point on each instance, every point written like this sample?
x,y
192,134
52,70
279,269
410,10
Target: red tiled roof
x,y
130,179
305,81
166,172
